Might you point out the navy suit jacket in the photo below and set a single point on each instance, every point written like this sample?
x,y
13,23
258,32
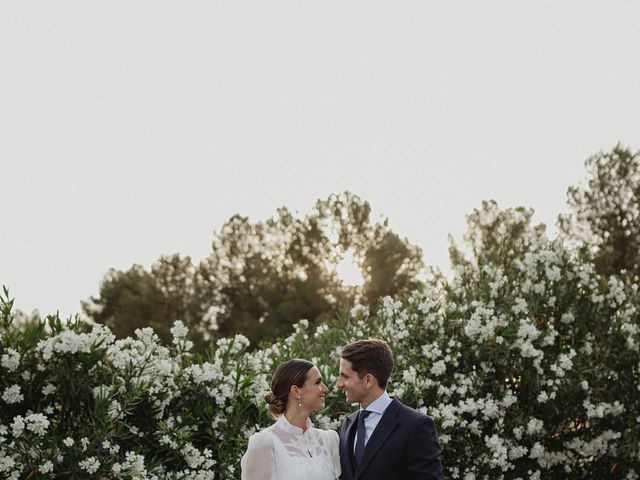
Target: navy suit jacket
x,y
403,446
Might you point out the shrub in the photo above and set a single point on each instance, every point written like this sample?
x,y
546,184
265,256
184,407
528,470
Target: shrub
x,y
529,366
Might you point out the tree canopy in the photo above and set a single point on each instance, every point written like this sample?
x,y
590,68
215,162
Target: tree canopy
x,y
138,298
262,277
605,213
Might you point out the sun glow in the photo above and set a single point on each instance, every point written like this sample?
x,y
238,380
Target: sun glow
x,y
348,270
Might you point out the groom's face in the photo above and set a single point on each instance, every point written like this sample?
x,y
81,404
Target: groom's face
x,y
354,388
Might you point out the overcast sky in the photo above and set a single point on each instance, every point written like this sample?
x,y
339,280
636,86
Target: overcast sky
x,y
132,129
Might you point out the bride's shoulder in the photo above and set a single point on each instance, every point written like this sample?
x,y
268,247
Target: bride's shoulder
x,y
261,438
331,435
331,441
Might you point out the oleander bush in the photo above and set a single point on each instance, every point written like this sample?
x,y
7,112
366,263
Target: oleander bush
x,y
528,360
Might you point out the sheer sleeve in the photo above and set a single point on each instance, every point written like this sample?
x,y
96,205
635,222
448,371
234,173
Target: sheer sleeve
x,y
334,443
259,461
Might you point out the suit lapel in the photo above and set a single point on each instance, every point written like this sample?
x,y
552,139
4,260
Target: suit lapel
x,y
346,442
384,429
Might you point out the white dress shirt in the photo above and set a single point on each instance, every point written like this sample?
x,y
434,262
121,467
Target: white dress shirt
x,y
377,409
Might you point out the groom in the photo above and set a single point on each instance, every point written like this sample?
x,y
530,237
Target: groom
x,y
384,439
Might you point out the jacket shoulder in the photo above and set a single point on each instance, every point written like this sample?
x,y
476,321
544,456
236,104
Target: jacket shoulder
x,y
411,414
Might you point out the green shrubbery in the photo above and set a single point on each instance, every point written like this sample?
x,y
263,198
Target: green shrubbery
x,y
528,360
529,366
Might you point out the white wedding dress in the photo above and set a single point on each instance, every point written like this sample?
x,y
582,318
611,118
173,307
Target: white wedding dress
x,y
284,452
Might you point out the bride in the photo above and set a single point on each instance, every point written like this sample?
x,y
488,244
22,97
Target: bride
x,y
291,448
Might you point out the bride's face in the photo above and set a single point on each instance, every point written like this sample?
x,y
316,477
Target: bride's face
x,y
313,391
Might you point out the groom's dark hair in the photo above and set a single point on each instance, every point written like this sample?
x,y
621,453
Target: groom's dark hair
x,y
370,356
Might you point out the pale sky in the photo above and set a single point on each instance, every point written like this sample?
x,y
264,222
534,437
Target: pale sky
x,y
132,129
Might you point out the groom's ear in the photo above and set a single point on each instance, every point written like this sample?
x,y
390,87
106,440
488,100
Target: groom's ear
x,y
370,380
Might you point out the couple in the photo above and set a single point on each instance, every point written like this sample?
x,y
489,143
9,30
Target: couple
x,y
383,440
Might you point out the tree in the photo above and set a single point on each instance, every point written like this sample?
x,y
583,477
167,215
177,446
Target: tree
x,y
139,298
497,237
390,265
605,217
263,277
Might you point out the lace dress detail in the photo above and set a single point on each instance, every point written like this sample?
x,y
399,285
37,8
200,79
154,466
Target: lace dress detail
x,y
284,452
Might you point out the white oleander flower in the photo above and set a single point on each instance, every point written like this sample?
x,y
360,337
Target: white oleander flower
x,y
438,368
10,360
17,426
567,318
90,465
37,423
359,311
12,394
520,306
46,467
48,389
179,331
535,426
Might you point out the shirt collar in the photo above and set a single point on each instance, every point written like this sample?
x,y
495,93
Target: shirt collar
x,y
380,404
284,424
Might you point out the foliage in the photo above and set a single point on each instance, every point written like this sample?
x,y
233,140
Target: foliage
x,y
262,277
138,298
605,217
528,360
552,348
496,237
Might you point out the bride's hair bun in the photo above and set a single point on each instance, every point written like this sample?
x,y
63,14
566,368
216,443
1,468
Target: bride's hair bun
x,y
293,372
276,405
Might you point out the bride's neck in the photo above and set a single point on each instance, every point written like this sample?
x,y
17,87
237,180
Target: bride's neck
x,y
297,417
